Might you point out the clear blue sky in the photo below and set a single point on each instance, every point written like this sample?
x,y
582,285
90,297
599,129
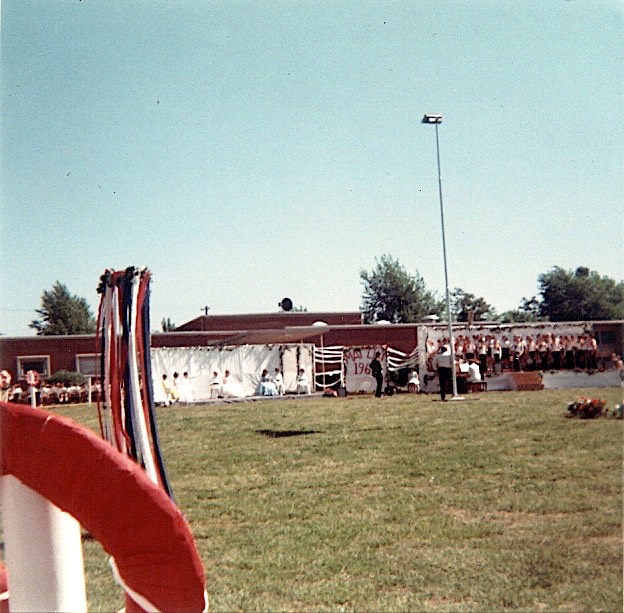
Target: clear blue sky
x,y
249,151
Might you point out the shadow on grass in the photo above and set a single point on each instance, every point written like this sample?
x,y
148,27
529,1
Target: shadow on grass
x,y
284,433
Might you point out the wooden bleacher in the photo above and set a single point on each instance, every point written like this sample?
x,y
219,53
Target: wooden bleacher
x,y
476,386
526,381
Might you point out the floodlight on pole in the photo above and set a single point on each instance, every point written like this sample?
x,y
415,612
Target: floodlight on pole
x,y
436,119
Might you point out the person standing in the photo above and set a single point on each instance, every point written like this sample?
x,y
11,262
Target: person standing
x,y
175,390
443,363
216,385
186,389
377,373
167,390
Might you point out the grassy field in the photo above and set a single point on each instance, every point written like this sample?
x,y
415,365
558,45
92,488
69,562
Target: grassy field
x,y
403,503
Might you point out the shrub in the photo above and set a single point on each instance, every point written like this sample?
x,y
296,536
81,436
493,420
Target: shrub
x,y
67,377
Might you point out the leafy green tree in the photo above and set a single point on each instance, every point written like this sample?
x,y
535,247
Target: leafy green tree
x,y
63,313
515,316
393,294
464,303
580,295
529,311
167,325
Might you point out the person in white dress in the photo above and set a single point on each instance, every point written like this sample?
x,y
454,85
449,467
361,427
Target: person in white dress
x,y
231,387
303,383
413,383
185,387
216,385
278,379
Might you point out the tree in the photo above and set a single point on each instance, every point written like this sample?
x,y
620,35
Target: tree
x,y
63,313
580,295
392,294
167,325
463,303
515,316
528,311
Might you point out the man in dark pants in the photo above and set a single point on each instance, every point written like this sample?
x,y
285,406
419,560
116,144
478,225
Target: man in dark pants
x,y
443,363
376,371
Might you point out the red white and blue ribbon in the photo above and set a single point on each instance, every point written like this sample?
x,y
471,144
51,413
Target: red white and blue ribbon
x,y
127,413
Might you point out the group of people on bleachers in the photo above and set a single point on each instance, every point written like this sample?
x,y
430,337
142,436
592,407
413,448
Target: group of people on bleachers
x,y
495,354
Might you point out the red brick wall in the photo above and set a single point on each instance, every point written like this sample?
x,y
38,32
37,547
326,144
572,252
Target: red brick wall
x,y
62,350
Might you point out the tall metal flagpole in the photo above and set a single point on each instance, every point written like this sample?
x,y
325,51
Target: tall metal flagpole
x,y
437,119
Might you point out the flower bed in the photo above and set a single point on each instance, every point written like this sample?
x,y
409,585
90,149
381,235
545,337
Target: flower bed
x,y
587,408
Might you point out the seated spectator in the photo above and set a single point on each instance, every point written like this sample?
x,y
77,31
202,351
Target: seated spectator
x,y
61,392
303,383
46,394
84,392
5,385
474,372
96,391
413,382
278,379
73,393
216,386
15,393
267,387
231,387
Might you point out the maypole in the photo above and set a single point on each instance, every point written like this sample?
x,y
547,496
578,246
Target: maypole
x,y
128,413
55,472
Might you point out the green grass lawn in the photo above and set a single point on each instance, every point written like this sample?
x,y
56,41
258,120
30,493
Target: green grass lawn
x,y
403,503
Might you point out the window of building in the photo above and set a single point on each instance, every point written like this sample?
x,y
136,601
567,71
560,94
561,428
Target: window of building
x,y
88,364
39,363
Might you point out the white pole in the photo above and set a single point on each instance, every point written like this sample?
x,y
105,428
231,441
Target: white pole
x,y
448,299
43,552
33,396
323,362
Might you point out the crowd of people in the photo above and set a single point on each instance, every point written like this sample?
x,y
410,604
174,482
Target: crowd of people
x,y
495,354
49,393
180,389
